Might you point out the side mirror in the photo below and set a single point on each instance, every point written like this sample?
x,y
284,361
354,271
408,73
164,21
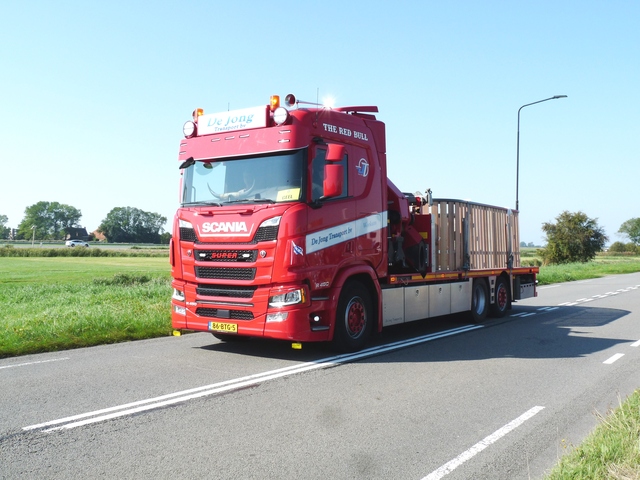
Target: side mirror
x,y
335,152
333,180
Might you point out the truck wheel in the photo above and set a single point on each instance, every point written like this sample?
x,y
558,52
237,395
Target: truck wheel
x,y
353,318
501,305
479,300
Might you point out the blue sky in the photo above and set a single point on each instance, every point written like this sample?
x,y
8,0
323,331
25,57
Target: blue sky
x,y
94,95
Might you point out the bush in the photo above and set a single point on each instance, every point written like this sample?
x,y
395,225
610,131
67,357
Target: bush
x,y
10,251
620,248
573,238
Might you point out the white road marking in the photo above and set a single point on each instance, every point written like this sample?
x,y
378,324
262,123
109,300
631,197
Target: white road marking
x,y
481,445
636,344
34,363
614,358
234,384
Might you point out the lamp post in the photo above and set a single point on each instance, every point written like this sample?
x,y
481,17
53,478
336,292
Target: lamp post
x,y
33,239
555,97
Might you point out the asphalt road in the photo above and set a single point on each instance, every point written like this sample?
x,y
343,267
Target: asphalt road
x,y
429,400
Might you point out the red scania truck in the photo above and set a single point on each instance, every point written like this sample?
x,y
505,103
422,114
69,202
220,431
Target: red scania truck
x,y
289,228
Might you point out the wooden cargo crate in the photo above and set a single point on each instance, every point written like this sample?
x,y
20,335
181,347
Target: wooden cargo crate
x,y
473,236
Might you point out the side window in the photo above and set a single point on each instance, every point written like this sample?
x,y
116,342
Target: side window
x,y
317,174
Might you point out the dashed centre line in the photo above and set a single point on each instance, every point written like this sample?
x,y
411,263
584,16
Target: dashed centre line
x,y
613,358
576,302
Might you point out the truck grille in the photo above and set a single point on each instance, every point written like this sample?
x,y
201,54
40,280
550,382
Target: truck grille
x,y
226,255
225,291
228,314
220,273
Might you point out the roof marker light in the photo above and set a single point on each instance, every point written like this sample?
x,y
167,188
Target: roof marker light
x,y
196,113
274,102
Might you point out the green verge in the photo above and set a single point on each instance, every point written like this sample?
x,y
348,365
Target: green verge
x,y
612,451
603,265
50,304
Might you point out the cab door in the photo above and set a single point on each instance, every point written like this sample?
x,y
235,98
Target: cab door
x,y
369,195
331,234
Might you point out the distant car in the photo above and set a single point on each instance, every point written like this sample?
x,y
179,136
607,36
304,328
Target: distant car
x,y
76,243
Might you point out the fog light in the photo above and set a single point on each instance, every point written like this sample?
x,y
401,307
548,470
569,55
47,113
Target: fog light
x,y
277,317
180,310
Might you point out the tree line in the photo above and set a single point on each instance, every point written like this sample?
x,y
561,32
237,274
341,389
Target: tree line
x,y
55,221
574,237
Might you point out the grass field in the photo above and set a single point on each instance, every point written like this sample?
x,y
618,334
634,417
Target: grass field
x,y
59,303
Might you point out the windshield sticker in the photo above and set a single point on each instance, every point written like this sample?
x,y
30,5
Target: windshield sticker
x,y
289,194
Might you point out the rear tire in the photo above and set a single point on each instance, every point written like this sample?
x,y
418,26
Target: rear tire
x,y
479,300
501,305
354,318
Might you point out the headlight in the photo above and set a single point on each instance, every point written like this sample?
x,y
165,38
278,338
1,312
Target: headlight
x,y
178,295
292,297
272,222
184,224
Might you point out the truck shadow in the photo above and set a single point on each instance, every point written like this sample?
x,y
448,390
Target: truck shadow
x,y
564,332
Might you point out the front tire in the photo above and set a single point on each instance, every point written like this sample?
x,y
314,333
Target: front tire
x,y
354,318
479,300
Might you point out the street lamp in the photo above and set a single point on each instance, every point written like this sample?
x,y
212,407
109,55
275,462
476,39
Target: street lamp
x,y
33,239
555,97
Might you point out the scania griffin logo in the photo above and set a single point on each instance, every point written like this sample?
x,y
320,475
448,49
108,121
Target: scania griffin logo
x,y
224,227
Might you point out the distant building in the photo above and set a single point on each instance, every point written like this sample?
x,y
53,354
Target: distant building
x,y
99,236
76,233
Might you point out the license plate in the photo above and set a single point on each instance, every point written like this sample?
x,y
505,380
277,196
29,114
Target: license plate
x,y
223,327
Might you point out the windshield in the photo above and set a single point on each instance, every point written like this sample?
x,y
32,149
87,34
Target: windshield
x,y
264,179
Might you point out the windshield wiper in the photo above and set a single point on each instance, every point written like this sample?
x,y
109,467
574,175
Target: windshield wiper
x,y
193,204
251,200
